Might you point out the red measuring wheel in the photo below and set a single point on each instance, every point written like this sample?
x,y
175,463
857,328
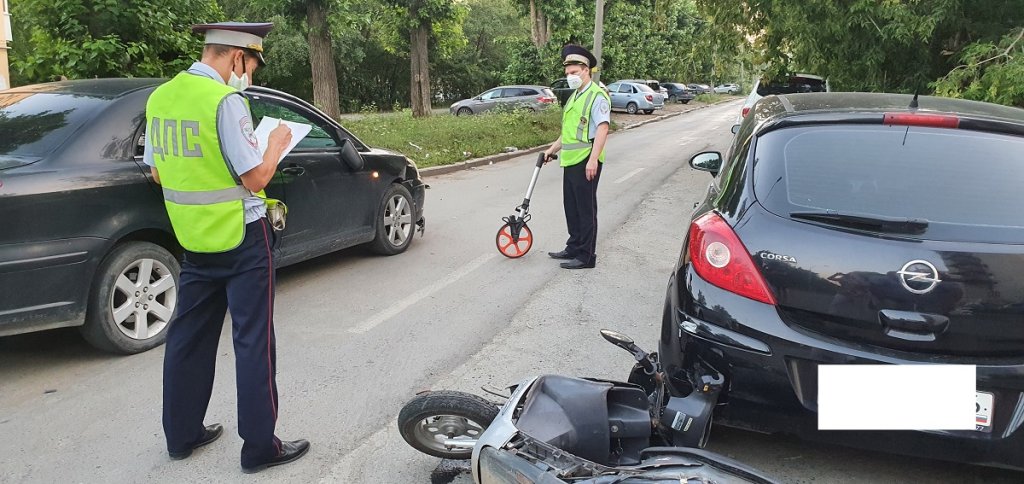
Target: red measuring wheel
x,y
514,247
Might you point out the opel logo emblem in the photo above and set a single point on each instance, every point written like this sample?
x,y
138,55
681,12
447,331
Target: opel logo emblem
x,y
919,276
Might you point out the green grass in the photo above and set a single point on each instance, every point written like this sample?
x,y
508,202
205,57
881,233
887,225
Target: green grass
x,y
446,139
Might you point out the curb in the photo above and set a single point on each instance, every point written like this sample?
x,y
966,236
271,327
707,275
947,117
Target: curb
x,y
488,160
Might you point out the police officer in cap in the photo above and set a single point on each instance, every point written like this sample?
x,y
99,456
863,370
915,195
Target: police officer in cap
x,y
585,121
202,151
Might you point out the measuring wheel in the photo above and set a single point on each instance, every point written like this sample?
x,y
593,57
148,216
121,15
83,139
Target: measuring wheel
x,y
514,243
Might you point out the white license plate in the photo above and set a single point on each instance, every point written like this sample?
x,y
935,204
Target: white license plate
x,y
983,411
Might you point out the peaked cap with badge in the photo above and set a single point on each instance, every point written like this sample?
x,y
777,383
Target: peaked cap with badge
x,y
574,54
237,34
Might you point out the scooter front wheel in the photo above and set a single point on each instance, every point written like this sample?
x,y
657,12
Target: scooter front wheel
x,y
514,249
431,419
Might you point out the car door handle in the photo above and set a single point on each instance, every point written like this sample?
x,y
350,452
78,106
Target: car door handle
x,y
293,170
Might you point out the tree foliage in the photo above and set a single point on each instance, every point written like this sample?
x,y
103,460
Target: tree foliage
x,y
865,45
991,71
105,38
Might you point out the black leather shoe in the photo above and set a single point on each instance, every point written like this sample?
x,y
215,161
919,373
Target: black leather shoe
x,y
211,433
560,255
576,264
290,452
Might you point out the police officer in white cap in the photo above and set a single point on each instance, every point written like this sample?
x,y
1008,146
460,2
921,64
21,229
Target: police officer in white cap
x,y
201,149
585,121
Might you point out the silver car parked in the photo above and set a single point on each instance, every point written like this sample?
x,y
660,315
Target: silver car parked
x,y
634,96
533,98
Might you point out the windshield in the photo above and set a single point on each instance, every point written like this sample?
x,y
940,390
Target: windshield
x,y
965,184
34,124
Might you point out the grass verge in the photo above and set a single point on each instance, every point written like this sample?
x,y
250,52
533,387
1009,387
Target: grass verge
x,y
445,139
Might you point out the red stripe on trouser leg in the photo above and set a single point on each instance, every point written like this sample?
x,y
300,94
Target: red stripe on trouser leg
x,y
270,325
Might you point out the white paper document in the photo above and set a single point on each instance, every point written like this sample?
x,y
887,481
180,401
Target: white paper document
x,y
267,124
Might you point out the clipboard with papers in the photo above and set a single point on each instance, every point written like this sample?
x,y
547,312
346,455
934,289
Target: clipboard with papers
x,y
267,124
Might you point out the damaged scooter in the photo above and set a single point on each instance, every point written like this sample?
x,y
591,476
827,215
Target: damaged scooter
x,y
555,429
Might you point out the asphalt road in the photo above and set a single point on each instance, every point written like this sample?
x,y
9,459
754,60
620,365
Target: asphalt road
x,y
358,335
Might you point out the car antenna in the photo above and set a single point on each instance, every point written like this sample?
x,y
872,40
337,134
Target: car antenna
x,y
913,102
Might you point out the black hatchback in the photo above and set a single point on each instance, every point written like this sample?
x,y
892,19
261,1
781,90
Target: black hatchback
x,y
85,228
852,228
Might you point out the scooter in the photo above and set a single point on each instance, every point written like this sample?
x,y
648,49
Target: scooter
x,y
555,429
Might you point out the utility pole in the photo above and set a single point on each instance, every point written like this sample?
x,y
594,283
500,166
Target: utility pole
x,y
598,34
5,36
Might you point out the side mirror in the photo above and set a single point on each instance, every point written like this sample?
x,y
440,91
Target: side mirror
x,y
351,156
735,128
707,161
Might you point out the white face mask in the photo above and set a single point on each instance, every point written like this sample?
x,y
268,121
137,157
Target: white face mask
x,y
239,83
574,81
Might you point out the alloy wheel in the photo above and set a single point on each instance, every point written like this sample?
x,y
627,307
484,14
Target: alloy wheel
x,y
398,220
143,299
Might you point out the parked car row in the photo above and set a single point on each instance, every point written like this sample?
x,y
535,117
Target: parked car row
x,y
85,230
633,97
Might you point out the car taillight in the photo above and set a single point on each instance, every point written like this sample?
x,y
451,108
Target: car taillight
x,y
720,258
745,111
545,99
649,98
927,120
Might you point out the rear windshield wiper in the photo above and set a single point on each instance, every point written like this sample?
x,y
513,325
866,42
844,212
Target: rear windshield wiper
x,y
878,223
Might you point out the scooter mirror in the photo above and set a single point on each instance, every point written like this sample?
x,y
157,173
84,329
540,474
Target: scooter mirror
x,y
615,338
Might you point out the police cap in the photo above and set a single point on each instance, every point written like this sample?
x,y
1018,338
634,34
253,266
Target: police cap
x,y
574,54
237,34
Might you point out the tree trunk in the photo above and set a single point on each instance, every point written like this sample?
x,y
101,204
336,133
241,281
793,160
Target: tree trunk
x,y
420,68
540,29
321,60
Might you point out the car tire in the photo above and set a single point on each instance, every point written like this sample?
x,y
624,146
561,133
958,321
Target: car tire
x,y
648,111
423,420
631,108
672,98
463,111
149,290
395,226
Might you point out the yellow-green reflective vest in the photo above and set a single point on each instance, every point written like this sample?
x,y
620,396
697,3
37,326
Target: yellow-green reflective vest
x,y
203,198
576,145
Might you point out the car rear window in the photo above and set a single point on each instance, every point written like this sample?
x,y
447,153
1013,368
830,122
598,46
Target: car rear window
x,y
644,87
34,124
549,92
793,85
966,184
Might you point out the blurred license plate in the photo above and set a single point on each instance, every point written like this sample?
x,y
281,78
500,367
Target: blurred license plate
x,y
983,412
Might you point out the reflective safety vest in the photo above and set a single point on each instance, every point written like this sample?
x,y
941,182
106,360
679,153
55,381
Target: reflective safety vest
x,y
202,195
576,144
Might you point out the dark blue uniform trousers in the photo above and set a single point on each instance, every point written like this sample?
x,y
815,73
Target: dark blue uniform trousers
x,y
579,198
242,281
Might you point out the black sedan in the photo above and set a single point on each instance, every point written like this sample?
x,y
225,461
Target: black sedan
x,y
84,225
849,228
